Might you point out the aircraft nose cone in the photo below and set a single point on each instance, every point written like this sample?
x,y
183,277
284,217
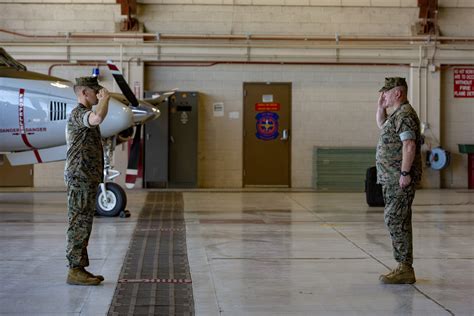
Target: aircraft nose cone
x,y
156,112
144,113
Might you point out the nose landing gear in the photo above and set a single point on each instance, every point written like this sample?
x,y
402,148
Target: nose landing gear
x,y
112,201
111,198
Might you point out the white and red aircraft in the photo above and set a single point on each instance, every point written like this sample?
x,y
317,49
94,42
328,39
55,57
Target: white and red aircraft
x,y
33,112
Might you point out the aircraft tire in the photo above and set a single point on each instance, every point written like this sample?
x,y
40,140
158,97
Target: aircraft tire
x,y
115,203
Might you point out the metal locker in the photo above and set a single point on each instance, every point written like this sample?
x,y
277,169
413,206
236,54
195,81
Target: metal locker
x,y
155,173
171,143
183,136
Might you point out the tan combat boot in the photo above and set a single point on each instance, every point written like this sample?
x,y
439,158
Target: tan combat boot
x,y
388,274
403,274
98,276
77,276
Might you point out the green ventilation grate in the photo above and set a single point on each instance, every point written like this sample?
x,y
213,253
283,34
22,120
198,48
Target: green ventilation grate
x,y
341,169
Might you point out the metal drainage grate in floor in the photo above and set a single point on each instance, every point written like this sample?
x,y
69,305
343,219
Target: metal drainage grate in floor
x,y
155,277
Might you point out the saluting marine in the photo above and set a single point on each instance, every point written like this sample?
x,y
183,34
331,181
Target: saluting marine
x,y
399,171
83,173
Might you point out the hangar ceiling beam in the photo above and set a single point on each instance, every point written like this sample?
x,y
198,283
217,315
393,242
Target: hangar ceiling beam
x,y
429,17
129,8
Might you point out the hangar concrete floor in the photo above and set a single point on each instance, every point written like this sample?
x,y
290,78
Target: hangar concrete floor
x,y
252,253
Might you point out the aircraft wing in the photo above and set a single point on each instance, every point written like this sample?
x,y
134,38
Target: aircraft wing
x,y
37,156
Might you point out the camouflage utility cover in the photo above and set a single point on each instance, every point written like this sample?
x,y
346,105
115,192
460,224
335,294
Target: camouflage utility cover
x,y
401,125
393,82
84,158
90,82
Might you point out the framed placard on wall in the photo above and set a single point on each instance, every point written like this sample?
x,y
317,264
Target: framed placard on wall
x,y
464,82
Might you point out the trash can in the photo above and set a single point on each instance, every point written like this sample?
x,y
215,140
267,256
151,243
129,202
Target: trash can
x,y
469,150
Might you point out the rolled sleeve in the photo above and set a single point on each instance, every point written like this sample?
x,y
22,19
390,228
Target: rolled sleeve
x,y
407,135
85,119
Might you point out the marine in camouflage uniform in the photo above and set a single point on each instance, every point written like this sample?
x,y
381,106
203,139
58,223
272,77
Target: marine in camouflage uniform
x,y
83,173
399,130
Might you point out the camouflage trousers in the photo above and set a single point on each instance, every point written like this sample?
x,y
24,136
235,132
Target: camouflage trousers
x,y
81,208
397,215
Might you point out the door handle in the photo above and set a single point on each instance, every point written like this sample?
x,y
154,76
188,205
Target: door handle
x,y
172,139
284,135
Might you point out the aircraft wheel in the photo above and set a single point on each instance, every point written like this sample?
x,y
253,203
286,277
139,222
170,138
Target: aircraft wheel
x,y
112,202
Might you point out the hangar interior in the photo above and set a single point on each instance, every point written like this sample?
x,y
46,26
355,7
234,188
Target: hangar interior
x,y
332,57
335,57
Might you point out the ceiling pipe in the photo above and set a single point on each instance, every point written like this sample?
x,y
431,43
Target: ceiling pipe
x,y
273,45
338,38
98,36
191,63
171,63
158,37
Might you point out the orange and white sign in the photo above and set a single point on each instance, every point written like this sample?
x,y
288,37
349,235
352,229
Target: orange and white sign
x,y
267,107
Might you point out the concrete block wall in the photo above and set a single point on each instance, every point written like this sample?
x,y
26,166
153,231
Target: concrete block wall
x,y
220,138
57,19
317,90
344,17
457,21
331,106
281,20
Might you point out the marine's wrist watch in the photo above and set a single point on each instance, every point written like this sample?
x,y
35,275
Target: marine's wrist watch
x,y
405,173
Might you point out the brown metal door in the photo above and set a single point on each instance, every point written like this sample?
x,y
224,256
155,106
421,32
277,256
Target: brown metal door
x,y
267,120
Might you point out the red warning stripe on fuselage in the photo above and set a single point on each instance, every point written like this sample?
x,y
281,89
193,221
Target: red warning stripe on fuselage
x,y
21,122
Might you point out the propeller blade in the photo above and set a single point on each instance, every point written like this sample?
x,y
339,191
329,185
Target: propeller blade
x,y
123,85
160,98
132,167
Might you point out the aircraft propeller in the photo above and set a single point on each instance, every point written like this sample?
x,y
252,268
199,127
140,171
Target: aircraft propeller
x,y
123,85
141,110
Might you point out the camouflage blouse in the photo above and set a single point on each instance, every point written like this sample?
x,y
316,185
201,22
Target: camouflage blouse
x,y
84,158
403,124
